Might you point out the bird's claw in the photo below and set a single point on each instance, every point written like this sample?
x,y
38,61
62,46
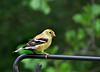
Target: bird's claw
x,y
46,54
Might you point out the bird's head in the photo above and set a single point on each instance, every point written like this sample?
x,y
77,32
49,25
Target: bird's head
x,y
49,32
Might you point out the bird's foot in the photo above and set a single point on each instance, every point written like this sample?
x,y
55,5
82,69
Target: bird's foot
x,y
46,54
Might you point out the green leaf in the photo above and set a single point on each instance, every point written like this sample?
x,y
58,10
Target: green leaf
x,y
97,25
45,7
77,18
41,5
87,9
50,69
70,35
46,10
65,66
80,34
86,19
35,4
95,10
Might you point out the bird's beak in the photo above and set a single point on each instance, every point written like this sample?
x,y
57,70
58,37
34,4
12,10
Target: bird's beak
x,y
54,35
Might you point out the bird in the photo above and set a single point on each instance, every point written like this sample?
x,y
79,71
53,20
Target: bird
x,y
40,42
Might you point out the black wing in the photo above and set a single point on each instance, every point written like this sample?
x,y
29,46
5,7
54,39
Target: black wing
x,y
34,42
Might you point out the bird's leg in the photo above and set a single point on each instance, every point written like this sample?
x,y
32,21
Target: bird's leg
x,y
46,54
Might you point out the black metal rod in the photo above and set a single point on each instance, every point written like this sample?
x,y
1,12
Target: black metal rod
x,y
38,68
57,57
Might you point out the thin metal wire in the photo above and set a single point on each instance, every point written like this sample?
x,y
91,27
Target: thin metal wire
x,y
57,57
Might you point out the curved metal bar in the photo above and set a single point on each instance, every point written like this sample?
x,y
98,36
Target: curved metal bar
x,y
15,65
57,57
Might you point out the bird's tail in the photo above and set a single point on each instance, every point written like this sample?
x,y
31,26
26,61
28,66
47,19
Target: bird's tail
x,y
18,50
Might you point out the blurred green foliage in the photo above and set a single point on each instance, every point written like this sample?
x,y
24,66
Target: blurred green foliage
x,y
77,27
41,5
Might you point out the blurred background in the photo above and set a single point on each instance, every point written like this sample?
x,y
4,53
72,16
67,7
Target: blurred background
x,y
77,27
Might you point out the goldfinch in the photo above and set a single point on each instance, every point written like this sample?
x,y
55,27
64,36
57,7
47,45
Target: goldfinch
x,y
40,42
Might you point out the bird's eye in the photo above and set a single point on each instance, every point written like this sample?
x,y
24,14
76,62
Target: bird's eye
x,y
50,32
